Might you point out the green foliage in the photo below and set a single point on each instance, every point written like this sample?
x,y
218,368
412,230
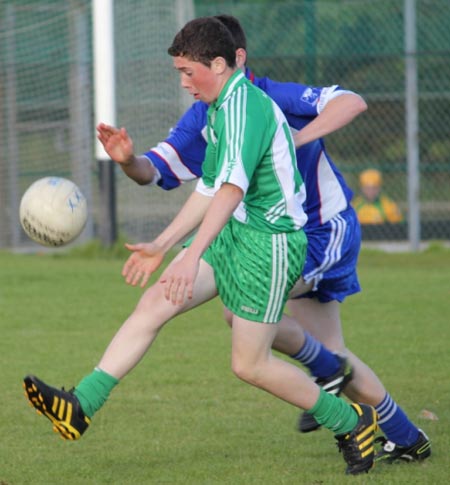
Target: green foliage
x,y
181,417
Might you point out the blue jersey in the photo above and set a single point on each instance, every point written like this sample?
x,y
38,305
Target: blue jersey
x,y
179,157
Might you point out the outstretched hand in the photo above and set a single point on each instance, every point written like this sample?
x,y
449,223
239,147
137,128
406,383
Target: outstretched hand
x,y
179,278
142,263
116,142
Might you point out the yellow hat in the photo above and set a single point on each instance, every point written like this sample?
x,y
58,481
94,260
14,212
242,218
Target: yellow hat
x,y
371,177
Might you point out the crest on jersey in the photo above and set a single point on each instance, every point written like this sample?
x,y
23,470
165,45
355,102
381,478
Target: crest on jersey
x,y
310,96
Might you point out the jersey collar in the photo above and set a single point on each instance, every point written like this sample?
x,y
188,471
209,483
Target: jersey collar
x,y
231,85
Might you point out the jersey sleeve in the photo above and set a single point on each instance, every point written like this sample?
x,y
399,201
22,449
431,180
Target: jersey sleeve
x,y
237,150
179,157
207,185
300,99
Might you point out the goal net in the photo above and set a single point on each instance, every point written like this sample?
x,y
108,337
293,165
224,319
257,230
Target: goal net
x,y
46,104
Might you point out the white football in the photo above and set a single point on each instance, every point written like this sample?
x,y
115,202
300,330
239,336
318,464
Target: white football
x,y
53,211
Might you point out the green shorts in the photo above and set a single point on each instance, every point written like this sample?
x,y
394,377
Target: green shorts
x,y
254,271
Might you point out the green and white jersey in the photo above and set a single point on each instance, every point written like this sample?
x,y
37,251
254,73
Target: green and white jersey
x,y
250,145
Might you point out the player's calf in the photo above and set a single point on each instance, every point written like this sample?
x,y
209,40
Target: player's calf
x,y
334,384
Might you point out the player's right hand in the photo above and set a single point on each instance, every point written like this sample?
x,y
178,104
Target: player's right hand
x,y
116,142
143,262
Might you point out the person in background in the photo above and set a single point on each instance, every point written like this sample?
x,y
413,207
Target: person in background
x,y
372,205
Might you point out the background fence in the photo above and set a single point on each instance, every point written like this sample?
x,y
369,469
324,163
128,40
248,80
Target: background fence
x,y
46,96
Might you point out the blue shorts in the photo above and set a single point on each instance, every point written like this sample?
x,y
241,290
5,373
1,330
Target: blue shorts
x,y
332,256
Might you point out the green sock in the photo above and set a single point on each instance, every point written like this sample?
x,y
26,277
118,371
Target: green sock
x,y
334,413
93,391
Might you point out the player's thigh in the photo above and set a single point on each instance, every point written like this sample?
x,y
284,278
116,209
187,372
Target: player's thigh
x,y
321,320
300,288
204,285
154,300
251,341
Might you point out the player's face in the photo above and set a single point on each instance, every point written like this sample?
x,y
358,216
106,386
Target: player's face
x,y
199,80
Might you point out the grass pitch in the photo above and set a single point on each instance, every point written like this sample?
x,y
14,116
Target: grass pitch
x,y
181,417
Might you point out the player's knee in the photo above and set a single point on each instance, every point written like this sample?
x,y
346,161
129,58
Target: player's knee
x,y
228,316
153,310
152,299
247,371
242,372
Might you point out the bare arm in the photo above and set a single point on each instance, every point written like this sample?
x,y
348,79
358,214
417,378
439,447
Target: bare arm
x,y
337,113
147,257
188,218
180,276
119,146
220,210
140,169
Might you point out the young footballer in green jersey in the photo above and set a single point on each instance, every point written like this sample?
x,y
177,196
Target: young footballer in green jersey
x,y
247,208
333,232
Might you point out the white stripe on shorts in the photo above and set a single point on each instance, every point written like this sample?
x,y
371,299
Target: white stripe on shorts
x,y
279,277
333,251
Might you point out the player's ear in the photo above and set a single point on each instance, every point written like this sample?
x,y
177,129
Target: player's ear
x,y
241,57
219,65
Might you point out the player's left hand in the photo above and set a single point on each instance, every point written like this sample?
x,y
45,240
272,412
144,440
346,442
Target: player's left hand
x,y
143,262
179,278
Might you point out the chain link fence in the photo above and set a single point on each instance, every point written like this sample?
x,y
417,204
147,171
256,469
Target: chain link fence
x,y
46,97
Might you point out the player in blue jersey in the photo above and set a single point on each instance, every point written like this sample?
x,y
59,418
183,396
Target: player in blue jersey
x,y
333,234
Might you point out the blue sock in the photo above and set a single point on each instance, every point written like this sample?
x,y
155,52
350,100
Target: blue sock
x,y
395,424
320,361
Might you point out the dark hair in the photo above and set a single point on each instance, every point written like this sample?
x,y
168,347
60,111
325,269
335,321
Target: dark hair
x,y
202,40
234,26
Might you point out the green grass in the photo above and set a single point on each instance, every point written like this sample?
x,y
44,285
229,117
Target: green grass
x,y
181,417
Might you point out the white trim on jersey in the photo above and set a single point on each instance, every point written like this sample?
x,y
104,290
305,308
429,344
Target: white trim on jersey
x,y
330,93
204,189
293,203
331,195
173,160
157,177
205,133
230,89
232,170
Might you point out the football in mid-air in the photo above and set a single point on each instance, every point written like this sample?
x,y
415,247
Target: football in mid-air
x,y
53,211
